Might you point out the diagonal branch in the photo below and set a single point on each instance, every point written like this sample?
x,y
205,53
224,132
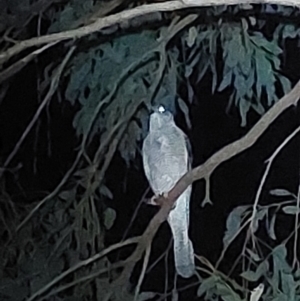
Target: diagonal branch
x,y
237,147
204,170
19,65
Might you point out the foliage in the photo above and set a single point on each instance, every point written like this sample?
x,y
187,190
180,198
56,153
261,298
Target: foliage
x,y
96,73
66,17
115,73
65,231
251,64
282,280
267,213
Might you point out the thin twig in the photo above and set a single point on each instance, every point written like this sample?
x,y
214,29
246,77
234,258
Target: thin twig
x,y
262,182
52,89
164,254
143,272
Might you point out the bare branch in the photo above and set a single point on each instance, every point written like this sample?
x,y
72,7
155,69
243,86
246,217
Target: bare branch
x,y
128,15
16,67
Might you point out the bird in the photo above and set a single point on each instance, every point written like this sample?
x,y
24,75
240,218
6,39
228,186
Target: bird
x,y
166,159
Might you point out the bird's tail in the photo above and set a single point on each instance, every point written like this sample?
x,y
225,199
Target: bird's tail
x,y
183,247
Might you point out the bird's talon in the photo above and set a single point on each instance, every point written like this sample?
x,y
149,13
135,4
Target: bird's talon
x,y
165,195
153,200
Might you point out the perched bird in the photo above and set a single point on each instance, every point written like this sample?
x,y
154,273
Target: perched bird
x,y
166,160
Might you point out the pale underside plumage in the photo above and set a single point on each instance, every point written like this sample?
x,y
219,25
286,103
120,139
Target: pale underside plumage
x,y
165,158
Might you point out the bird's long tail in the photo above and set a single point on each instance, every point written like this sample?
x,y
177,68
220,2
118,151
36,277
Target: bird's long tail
x,y
183,247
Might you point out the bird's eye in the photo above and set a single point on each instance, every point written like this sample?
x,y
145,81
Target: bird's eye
x,y
161,109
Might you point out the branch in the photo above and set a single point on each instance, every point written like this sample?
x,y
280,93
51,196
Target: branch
x,y
237,147
128,15
81,264
204,170
19,65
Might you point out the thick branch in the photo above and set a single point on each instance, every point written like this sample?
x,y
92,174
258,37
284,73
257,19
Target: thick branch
x,y
127,15
197,173
237,147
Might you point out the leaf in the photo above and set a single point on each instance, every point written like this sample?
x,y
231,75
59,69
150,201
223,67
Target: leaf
x,y
280,192
261,270
286,84
244,107
192,35
67,194
258,107
252,20
281,297
185,110
226,292
104,190
189,66
227,78
128,143
233,50
288,285
203,66
233,224
190,91
263,71
265,45
146,295
271,93
279,257
291,210
188,70
240,83
271,226
207,284
258,217
250,276
253,255
213,68
109,217
289,31
297,273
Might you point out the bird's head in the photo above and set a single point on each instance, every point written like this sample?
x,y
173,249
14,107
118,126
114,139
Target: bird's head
x,y
160,118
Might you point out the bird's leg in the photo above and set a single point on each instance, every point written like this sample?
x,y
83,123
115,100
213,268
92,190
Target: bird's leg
x,y
154,199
